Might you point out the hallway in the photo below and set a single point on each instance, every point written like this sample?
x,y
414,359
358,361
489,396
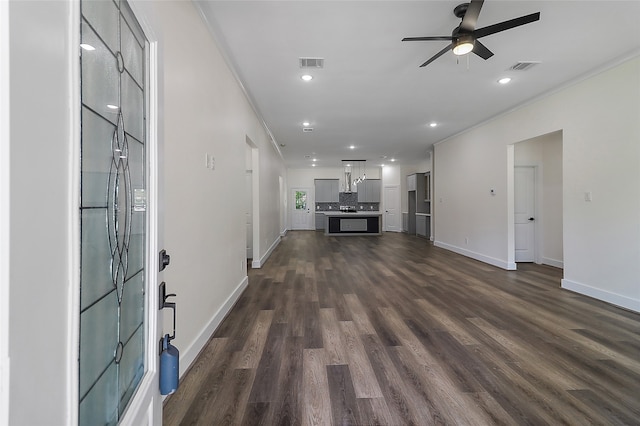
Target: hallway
x,y
391,330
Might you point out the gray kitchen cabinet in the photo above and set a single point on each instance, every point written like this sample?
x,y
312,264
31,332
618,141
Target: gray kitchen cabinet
x,y
369,191
423,225
419,202
412,181
373,190
327,190
320,218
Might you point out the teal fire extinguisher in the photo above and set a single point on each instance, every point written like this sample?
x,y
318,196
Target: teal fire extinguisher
x,y
169,367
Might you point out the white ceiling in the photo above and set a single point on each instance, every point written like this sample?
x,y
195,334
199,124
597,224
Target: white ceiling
x,y
372,93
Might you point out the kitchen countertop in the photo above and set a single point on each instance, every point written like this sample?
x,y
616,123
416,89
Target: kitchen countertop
x,y
354,214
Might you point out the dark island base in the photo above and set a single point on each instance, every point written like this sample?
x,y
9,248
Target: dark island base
x,y
357,225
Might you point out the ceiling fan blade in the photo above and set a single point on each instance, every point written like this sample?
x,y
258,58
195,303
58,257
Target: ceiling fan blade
x,y
437,38
437,55
471,15
481,50
506,25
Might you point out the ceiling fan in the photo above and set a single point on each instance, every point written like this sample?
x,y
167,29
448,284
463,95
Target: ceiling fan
x,y
464,38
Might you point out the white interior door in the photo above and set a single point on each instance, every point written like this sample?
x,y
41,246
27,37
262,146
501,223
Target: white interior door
x,y
120,223
392,208
524,184
301,205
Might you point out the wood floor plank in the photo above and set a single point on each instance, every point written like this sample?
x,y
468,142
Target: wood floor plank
x,y
316,409
359,315
344,406
287,406
251,353
391,330
364,382
332,337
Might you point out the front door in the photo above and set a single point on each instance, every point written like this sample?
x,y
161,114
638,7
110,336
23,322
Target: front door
x,y
524,185
119,232
301,209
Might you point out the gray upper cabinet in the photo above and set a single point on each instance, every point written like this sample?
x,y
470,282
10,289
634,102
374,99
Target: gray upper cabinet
x,y
412,181
327,190
369,191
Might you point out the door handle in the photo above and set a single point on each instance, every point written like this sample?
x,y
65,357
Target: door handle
x,y
531,219
163,260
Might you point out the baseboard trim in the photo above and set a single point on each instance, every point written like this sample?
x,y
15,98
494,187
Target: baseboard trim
x,y
189,354
509,266
603,295
283,232
553,262
257,264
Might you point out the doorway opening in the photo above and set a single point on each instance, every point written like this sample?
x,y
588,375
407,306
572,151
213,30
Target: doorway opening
x,y
250,201
536,179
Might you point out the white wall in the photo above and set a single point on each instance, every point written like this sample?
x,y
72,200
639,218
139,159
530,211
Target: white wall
x,y
601,154
5,229
206,111
545,154
42,204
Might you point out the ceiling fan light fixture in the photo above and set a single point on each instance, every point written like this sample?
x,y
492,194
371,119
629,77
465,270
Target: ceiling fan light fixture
x,y
463,45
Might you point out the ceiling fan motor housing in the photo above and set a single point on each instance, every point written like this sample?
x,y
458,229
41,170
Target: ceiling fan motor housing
x,y
460,10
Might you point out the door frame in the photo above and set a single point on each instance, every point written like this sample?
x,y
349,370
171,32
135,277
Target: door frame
x,y
310,203
145,406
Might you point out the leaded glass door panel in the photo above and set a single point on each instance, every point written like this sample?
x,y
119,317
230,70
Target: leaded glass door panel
x,y
113,210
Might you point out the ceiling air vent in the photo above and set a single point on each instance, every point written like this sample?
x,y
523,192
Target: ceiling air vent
x,y
307,129
522,66
311,62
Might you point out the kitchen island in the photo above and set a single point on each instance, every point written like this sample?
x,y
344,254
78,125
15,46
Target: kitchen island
x,y
353,223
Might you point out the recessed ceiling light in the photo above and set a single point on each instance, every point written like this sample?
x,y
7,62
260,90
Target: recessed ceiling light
x,y
86,46
112,106
315,159
504,80
352,147
307,77
313,165
381,165
393,159
434,124
305,123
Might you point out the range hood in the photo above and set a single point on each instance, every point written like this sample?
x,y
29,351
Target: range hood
x,y
348,165
347,181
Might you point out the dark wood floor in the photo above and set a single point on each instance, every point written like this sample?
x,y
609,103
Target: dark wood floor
x,y
391,330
